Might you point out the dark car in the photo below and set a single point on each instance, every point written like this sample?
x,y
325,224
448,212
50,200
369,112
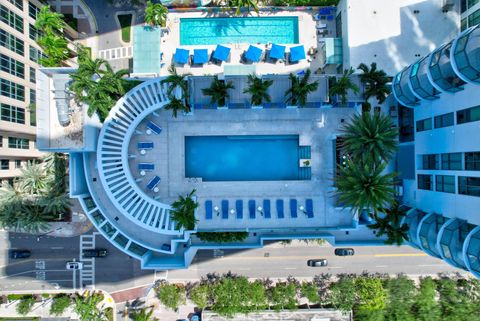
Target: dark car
x,y
344,252
20,254
95,253
317,262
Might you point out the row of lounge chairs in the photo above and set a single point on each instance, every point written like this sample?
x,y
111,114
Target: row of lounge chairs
x,y
264,209
143,146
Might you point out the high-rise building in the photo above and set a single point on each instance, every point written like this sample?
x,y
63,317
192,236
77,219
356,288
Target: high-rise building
x,y
470,13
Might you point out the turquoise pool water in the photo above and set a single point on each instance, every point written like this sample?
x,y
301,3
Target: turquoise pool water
x,y
251,30
242,158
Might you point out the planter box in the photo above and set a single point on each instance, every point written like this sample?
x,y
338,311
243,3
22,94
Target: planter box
x,y
305,162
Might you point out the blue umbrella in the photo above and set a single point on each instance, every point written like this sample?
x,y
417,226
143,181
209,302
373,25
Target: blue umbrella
x,y
297,53
200,56
221,53
253,53
181,56
277,52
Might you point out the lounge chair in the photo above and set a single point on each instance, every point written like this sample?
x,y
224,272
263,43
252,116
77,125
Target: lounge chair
x,y
208,210
266,209
251,209
224,209
145,145
153,183
293,208
146,166
280,213
309,208
239,208
154,127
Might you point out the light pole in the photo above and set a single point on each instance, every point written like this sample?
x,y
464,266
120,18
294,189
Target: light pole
x,y
260,210
302,208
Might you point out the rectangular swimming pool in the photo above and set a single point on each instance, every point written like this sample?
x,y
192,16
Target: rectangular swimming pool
x,y
251,30
242,158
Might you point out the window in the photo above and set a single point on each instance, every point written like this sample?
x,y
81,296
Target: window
x,y
452,161
18,163
1,141
468,115
12,66
12,114
444,120
19,143
17,3
34,33
474,18
425,124
430,161
11,42
11,18
36,54
33,96
424,182
445,183
472,161
33,75
469,185
33,10
33,114
12,90
4,164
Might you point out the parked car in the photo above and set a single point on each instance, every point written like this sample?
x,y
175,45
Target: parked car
x,y
19,254
317,262
74,265
344,252
95,253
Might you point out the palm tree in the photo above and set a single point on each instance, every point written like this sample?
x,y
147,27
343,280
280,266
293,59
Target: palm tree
x,y
49,22
390,225
32,179
258,88
300,88
239,4
218,91
183,211
375,82
55,205
156,14
370,137
55,48
341,86
175,80
144,314
176,105
363,186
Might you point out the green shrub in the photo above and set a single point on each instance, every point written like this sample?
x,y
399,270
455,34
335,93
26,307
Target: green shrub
x,y
109,314
60,304
12,297
171,295
222,237
25,305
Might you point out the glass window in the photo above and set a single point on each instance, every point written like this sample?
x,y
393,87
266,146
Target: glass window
x,y
474,18
452,161
17,3
33,75
444,120
18,163
469,185
19,143
33,96
12,90
34,33
430,161
33,114
425,182
11,18
468,115
12,114
424,124
36,54
12,66
4,164
472,161
471,3
1,141
11,42
445,183
463,6
33,10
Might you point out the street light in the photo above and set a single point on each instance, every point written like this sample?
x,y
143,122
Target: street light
x,y
302,208
260,209
39,236
217,210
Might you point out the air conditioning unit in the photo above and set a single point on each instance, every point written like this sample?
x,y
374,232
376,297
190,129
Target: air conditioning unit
x,y
448,5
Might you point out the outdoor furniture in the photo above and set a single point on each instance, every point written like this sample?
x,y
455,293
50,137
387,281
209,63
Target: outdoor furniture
x,y
181,56
145,145
200,56
253,54
154,127
146,166
239,208
224,209
153,183
208,210
251,209
221,53
321,25
280,206
266,209
293,208
297,53
277,52
309,208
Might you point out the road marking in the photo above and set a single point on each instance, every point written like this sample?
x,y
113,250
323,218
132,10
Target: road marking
x,y
290,268
424,265
244,269
400,254
381,266
57,248
301,257
87,274
30,271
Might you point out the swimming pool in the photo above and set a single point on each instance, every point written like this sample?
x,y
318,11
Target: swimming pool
x,y
242,158
213,31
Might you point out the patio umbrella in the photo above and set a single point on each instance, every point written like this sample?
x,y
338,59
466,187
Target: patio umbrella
x,y
277,52
181,56
297,53
253,53
200,56
221,53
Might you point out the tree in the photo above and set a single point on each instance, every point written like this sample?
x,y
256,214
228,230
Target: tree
x,y
144,314
55,48
218,91
370,137
25,305
258,89
222,237
283,296
86,306
341,86
176,105
156,14
375,81
239,4
300,88
183,211
390,224
370,292
310,292
174,80
49,21
200,295
32,179
426,307
230,296
59,304
401,294
342,293
171,295
454,304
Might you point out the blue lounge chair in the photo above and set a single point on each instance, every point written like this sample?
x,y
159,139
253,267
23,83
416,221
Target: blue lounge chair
x,y
146,166
251,208
239,208
208,210
293,208
280,209
145,145
266,209
309,208
224,209
153,182
154,127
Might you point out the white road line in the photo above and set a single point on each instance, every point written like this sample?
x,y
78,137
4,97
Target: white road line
x,y
30,271
335,267
425,265
57,248
290,268
381,266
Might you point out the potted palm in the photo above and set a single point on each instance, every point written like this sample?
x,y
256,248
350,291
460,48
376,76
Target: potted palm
x,y
300,88
375,82
156,14
218,92
339,87
183,211
258,89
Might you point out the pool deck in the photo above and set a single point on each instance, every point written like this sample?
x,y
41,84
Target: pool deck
x,y
307,37
316,127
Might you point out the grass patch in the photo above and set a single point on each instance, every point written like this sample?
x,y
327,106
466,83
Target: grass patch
x,y
125,21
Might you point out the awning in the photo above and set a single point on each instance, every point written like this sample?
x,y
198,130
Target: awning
x,y
200,56
253,53
277,52
221,53
181,56
297,53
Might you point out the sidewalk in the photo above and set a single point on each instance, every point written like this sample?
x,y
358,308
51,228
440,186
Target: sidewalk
x,y
79,224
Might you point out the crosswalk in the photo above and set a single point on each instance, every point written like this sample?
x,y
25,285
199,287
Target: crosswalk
x,y
87,273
